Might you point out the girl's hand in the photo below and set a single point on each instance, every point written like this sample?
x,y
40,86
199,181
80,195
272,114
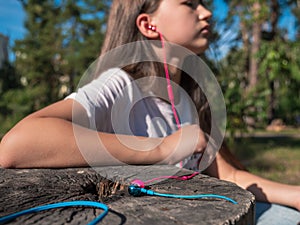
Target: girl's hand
x,y
183,143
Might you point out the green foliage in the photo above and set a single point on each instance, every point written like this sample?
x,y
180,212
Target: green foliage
x,y
280,66
288,103
14,105
9,79
62,39
10,88
276,94
231,80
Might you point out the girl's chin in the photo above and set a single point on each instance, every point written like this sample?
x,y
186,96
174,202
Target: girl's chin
x,y
200,47
200,50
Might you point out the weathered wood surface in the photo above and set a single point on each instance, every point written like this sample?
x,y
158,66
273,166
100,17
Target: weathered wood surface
x,y
21,189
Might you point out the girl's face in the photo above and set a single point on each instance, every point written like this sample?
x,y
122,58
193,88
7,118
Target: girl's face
x,y
184,22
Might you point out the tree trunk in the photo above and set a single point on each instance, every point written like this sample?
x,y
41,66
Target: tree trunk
x,y
272,97
22,189
256,40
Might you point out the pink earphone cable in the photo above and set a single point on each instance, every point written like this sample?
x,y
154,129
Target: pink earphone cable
x,y
169,87
142,184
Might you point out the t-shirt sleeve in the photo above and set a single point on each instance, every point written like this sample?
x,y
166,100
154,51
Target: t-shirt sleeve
x,y
99,96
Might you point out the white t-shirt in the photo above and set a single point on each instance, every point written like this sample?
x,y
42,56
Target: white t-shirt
x,y
115,103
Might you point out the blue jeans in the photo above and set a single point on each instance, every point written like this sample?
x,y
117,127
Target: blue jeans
x,y
272,214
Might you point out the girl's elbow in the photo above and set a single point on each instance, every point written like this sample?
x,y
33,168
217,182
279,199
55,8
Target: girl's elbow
x,y
8,151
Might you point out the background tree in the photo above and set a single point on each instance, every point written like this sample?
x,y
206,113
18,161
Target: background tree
x,y
253,79
10,86
62,39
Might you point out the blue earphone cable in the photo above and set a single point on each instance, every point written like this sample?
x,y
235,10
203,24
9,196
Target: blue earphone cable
x,y
60,205
137,191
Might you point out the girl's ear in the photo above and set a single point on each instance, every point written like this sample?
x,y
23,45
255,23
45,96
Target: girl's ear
x,y
143,23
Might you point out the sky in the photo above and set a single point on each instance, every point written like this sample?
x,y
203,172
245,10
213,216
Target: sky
x,y
12,19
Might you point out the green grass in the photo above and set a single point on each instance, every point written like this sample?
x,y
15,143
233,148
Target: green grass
x,y
275,156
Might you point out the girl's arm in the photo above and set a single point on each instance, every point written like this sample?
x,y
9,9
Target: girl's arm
x,y
48,138
263,189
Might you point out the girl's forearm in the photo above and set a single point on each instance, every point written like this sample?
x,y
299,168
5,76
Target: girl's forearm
x,y
263,189
54,142
267,190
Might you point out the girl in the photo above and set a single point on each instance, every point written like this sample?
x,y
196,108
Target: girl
x,y
82,129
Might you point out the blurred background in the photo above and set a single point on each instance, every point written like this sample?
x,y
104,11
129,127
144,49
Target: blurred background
x,y
46,45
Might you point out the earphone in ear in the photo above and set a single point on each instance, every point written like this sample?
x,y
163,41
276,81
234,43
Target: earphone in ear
x,y
153,28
